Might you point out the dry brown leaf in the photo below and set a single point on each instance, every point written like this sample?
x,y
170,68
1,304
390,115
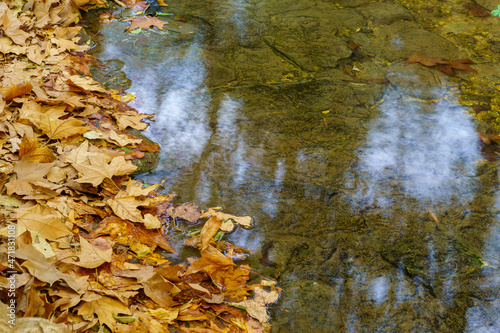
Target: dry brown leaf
x,y
59,129
94,254
145,22
44,221
160,290
476,10
210,229
228,226
44,269
105,307
210,261
15,90
98,169
257,306
10,25
126,208
188,212
6,46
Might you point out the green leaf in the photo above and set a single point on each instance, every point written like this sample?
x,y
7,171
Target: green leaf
x,y
136,31
219,236
124,320
164,14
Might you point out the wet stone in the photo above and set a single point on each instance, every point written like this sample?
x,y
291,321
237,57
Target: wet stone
x,y
385,13
396,42
416,81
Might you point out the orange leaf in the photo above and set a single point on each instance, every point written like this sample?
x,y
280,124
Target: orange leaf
x,y
210,228
16,90
145,22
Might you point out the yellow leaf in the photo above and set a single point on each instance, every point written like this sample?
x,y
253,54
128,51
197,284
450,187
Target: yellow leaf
x,y
257,306
6,46
95,254
126,208
245,221
44,220
99,169
59,129
210,228
85,83
104,307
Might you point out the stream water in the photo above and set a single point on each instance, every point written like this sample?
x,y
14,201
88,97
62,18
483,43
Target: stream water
x,y
364,177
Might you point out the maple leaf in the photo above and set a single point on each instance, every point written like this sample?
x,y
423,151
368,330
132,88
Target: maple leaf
x,y
35,154
44,221
10,25
131,119
59,129
424,60
85,83
125,232
228,226
44,269
451,65
126,208
98,170
160,290
104,307
145,22
28,172
211,260
94,254
188,212
257,306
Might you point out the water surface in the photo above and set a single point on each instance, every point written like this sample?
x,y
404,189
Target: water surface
x,y
364,174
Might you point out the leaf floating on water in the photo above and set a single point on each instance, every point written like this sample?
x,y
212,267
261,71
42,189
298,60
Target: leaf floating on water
x,y
476,10
145,22
446,67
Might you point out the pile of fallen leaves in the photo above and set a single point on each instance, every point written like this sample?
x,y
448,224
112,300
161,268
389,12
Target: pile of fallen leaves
x,y
88,234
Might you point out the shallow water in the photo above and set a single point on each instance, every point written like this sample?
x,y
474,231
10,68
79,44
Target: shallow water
x,y
382,213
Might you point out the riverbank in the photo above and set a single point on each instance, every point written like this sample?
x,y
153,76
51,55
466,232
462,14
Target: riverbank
x,y
90,241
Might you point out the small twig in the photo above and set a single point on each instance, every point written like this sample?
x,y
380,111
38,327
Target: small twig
x,y
434,217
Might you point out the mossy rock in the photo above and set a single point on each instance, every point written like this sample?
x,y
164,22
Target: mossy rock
x,y
150,160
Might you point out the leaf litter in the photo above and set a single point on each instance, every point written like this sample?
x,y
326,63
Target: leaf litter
x,y
88,235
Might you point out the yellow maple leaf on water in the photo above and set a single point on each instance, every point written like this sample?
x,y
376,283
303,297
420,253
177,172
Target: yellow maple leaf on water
x,y
257,306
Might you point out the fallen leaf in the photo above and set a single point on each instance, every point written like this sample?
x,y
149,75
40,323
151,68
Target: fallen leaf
x,y
104,307
94,254
209,230
97,170
145,22
476,10
44,221
15,90
257,306
424,60
188,212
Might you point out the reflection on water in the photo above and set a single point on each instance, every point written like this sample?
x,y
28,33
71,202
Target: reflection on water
x,y
429,151
340,174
